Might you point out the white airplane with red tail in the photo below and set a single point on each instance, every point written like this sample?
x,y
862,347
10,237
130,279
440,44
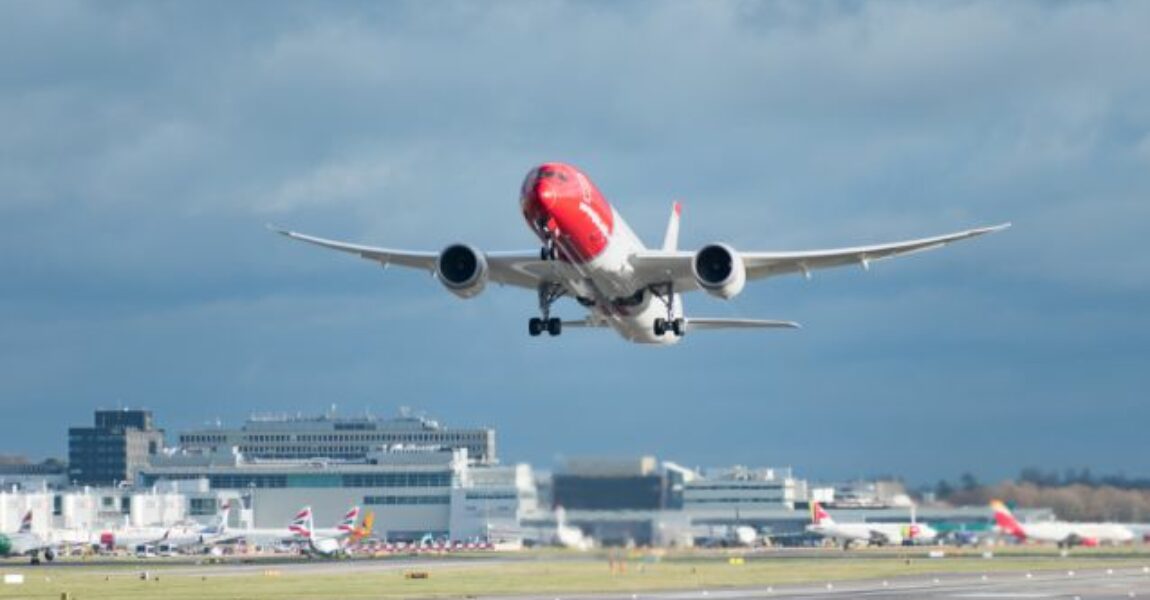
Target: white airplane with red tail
x,y
1065,534
589,253
878,534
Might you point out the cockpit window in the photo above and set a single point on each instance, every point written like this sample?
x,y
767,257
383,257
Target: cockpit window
x,y
551,173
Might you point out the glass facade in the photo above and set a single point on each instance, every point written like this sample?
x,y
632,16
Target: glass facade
x,y
239,481
405,500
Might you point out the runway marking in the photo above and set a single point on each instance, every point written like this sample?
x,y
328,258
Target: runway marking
x,y
1002,594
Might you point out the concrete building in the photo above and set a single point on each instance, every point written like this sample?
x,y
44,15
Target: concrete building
x,y
24,475
414,491
741,488
334,437
110,453
92,509
611,484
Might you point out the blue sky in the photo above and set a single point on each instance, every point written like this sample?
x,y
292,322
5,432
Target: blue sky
x,y
143,146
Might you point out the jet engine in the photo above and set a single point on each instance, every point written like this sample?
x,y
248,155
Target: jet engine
x,y
462,269
719,270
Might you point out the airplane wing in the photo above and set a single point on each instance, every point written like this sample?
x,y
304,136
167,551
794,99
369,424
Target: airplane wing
x,y
700,324
656,266
518,268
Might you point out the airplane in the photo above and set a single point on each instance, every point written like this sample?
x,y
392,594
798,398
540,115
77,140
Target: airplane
x,y
878,534
331,543
26,543
589,253
569,536
214,533
1063,533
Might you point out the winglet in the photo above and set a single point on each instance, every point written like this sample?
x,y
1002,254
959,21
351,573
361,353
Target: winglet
x,y
278,229
671,237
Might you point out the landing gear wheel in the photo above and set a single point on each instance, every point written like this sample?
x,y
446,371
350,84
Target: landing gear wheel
x,y
666,294
549,292
548,252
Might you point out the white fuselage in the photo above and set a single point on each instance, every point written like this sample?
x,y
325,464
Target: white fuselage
x,y
878,533
1061,532
610,276
21,544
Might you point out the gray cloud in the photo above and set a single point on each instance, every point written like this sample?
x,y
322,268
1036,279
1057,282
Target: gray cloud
x,y
145,145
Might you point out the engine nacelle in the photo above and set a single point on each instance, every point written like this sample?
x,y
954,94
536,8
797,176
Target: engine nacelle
x,y
719,270
462,269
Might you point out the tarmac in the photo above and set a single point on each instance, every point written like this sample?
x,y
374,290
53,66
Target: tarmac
x,y
1078,585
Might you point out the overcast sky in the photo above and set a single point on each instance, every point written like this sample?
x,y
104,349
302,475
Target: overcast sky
x,y
143,147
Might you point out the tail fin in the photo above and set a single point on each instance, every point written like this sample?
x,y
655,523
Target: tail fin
x,y
222,516
1006,521
347,525
820,516
301,525
560,517
26,523
364,530
671,238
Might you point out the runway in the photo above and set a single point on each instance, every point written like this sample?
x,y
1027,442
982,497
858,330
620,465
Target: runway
x,y
294,565
1091,584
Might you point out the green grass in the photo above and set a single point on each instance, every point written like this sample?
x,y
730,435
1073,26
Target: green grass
x,y
549,573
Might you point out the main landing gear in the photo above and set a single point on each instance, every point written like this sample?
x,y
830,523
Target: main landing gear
x,y
666,294
548,294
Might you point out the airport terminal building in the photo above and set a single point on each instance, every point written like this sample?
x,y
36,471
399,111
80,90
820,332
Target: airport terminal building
x,y
298,437
422,479
414,491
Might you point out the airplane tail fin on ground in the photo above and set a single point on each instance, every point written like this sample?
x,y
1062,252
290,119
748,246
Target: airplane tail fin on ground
x,y
221,523
364,530
301,524
1006,521
26,523
671,238
347,525
701,324
820,516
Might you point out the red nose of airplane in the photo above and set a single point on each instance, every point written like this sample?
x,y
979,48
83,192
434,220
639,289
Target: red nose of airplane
x,y
546,194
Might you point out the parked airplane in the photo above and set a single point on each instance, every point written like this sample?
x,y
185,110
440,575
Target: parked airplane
x,y
878,534
26,543
569,536
589,253
216,532
331,543
1063,533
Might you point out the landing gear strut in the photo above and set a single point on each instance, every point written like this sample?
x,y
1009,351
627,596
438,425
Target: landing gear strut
x,y
666,294
548,251
548,294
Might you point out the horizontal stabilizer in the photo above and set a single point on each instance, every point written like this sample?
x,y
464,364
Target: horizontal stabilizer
x,y
700,324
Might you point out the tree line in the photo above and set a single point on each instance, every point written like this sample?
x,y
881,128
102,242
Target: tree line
x,y
1074,495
